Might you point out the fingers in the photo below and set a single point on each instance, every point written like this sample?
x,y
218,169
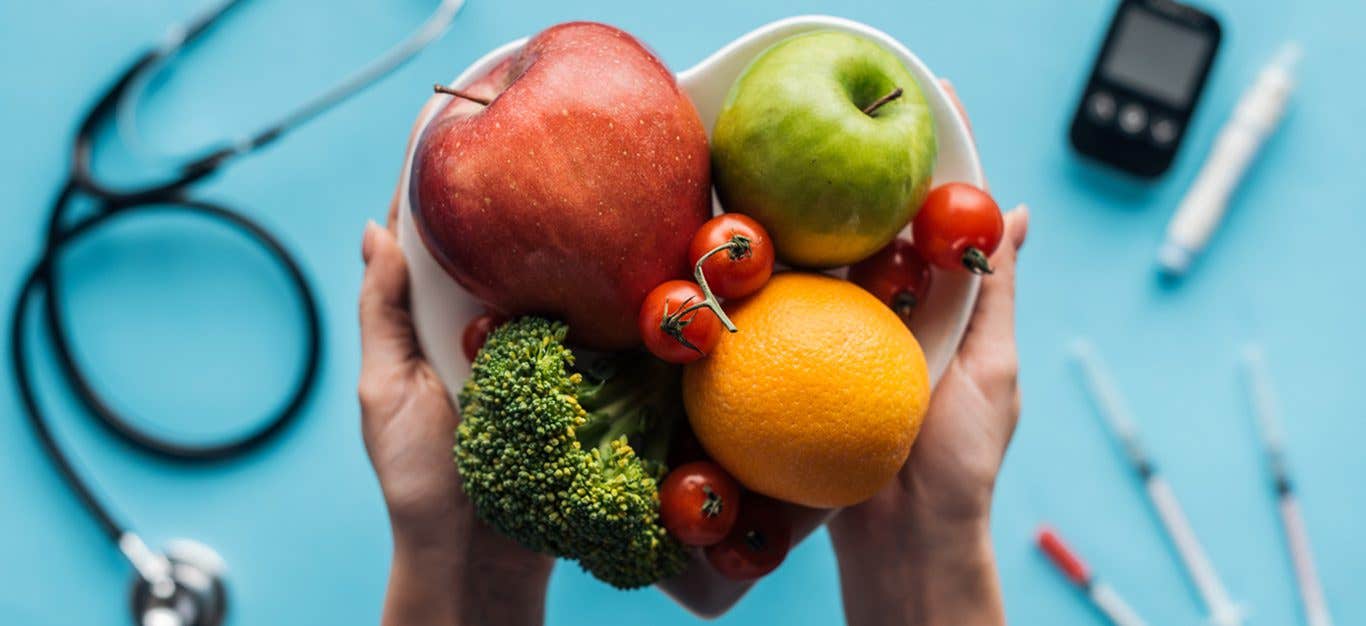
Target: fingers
x,y
391,220
957,104
386,330
1017,229
991,331
387,339
998,290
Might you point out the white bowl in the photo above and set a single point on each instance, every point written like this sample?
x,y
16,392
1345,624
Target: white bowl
x,y
441,308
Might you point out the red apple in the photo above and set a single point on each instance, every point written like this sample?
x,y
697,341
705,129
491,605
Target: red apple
x,y
575,190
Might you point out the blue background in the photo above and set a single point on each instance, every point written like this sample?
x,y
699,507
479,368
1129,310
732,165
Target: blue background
x,y
182,321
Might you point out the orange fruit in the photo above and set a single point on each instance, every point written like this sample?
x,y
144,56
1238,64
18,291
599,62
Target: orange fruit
x,y
819,396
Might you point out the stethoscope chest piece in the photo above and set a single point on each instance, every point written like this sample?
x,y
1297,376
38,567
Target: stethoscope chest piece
x,y
198,596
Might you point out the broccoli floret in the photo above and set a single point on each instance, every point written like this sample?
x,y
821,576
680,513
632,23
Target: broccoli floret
x,y
568,462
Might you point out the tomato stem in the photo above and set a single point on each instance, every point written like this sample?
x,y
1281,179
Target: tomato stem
x,y
976,261
672,324
712,506
739,247
904,303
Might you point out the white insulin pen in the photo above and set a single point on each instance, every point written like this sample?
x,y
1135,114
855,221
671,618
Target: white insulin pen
x,y
1264,409
1256,115
1222,610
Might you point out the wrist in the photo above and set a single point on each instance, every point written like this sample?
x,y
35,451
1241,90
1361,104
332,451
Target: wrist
x,y
929,571
934,536
428,533
465,573
423,585
955,576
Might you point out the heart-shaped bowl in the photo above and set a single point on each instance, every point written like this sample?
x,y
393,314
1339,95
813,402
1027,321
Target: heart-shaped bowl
x,y
441,308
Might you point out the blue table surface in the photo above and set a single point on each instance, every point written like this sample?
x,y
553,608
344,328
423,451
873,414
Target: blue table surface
x,y
190,326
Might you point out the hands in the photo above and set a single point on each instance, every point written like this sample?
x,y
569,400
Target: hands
x,y
919,552
448,566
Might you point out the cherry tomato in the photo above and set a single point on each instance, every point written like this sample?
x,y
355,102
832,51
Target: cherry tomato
x,y
672,328
698,503
959,226
757,543
477,332
746,262
896,275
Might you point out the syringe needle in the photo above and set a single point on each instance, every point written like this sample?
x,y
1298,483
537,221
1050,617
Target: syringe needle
x,y
1111,407
1263,401
1109,404
1292,521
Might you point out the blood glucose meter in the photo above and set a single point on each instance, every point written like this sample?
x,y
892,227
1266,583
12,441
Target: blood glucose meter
x,y
1145,85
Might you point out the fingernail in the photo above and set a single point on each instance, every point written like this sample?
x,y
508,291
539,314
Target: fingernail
x,y
367,242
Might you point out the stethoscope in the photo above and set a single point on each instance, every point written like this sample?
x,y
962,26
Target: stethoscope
x,y
182,585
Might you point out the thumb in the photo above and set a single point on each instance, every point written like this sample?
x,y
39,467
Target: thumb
x,y
991,330
386,330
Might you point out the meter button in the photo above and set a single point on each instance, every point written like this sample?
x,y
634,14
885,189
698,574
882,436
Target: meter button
x,y
1133,119
1101,106
1163,131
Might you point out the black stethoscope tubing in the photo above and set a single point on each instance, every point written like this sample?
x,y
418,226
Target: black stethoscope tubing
x,y
45,278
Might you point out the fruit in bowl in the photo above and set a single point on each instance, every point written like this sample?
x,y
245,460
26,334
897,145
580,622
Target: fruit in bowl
x,y
643,546
819,397
567,182
826,140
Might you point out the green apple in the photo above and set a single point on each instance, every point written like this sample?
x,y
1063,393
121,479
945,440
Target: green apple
x,y
816,142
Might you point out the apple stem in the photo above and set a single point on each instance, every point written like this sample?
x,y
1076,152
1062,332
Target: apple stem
x,y
893,95
439,88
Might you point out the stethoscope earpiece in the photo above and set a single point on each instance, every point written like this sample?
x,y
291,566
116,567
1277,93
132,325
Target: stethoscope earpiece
x,y
196,596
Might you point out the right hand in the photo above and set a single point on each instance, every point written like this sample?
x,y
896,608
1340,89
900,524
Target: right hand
x,y
449,567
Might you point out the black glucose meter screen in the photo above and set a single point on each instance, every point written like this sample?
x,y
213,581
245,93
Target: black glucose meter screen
x,y
1157,57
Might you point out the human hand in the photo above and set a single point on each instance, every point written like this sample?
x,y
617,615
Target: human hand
x,y
919,551
448,566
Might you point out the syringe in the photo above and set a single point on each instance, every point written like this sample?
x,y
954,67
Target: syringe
x,y
1222,610
1102,595
1257,114
1264,409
